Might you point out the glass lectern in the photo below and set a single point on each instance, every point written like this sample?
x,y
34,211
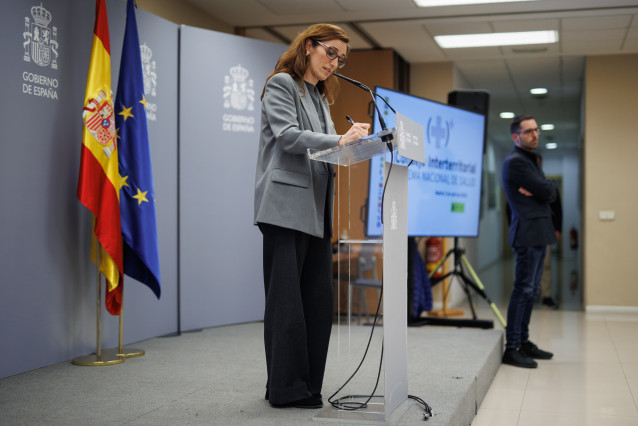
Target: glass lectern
x,y
380,386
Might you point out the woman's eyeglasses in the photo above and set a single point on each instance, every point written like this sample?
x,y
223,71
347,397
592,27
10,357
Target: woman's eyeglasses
x,y
332,53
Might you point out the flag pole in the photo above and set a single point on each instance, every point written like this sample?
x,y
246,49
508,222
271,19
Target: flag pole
x,y
99,358
99,302
125,352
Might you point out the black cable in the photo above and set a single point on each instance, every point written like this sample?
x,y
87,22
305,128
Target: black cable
x,y
386,182
426,407
337,403
355,405
342,404
384,100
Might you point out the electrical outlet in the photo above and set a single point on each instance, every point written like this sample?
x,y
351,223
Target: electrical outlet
x,y
606,215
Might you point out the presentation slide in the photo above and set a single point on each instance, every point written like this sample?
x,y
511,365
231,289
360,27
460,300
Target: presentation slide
x,y
444,194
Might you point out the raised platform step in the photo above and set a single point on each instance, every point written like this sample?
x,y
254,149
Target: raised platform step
x,y
218,375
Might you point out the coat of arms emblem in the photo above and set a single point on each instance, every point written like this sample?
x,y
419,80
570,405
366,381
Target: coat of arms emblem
x,y
99,120
40,41
148,70
401,135
394,217
238,89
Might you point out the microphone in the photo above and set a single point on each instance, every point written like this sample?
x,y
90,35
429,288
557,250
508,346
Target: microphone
x,y
364,87
386,138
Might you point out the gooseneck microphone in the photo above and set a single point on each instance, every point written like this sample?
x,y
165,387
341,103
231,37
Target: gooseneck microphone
x,y
364,87
386,138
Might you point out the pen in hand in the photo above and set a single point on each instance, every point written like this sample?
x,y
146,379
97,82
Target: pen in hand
x,y
357,131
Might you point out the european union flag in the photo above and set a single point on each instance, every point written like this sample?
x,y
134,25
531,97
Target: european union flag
x,y
137,197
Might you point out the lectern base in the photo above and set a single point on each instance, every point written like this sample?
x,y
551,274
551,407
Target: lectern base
x,y
374,413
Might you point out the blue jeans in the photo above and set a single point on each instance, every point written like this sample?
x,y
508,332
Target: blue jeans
x,y
529,270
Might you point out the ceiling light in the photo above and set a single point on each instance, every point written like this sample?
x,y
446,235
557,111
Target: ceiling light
x,y
551,145
496,39
538,91
507,115
527,50
434,3
547,127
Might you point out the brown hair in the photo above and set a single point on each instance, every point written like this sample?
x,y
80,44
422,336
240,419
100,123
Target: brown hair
x,y
295,62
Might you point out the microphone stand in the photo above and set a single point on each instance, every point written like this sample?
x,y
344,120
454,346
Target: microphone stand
x,y
386,138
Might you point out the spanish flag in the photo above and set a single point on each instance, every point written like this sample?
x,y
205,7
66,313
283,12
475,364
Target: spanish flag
x,y
99,182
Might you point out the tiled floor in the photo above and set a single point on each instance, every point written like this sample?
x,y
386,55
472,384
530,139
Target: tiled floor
x,y
593,377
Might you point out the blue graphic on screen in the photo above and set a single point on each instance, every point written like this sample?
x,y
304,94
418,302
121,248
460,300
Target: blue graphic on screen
x,y
444,194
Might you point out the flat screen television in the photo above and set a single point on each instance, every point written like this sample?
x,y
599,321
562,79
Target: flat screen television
x,y
444,194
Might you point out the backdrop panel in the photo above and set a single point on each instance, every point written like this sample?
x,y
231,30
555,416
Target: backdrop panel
x,y
48,284
221,79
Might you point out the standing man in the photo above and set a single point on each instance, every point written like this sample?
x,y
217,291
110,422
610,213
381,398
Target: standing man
x,y
529,195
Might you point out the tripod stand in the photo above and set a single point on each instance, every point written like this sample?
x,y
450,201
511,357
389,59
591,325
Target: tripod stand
x,y
475,284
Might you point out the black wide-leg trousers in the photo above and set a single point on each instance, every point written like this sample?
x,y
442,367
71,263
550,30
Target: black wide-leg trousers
x,y
298,314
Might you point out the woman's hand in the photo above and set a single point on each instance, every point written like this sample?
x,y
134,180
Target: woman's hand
x,y
357,131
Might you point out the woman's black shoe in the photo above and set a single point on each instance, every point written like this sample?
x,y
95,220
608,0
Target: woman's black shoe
x,y
310,402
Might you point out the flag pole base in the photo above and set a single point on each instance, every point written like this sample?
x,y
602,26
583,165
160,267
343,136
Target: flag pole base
x,y
127,352
95,360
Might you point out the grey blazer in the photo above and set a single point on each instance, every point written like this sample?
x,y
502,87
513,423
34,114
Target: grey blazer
x,y
290,189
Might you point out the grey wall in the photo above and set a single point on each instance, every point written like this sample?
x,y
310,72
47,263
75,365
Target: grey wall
x,y
490,240
220,249
48,283
568,167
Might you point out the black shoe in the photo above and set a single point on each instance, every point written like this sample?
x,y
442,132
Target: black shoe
x,y
310,402
550,302
517,358
532,351
315,395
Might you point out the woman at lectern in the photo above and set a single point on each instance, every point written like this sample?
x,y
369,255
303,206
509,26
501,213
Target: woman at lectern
x,y
293,209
